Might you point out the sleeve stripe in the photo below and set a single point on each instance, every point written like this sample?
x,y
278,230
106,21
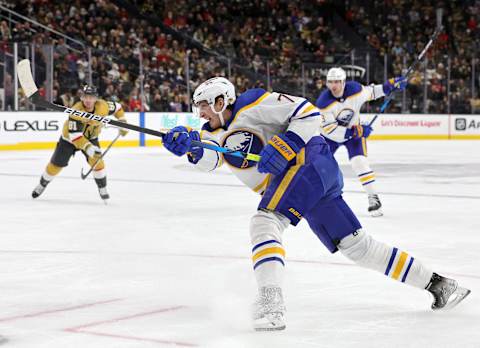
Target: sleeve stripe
x,y
77,137
298,109
330,127
331,130
308,109
311,115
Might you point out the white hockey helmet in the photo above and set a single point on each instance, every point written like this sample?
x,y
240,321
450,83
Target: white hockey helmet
x,y
336,74
211,89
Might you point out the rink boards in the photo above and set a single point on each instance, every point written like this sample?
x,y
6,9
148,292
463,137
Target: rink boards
x,y
41,130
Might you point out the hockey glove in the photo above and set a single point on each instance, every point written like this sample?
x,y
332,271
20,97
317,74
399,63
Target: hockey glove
x,y
390,85
196,152
93,151
177,140
279,151
358,131
123,131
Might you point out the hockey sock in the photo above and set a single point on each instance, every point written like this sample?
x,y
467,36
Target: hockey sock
x,y
394,263
365,174
50,172
100,178
268,254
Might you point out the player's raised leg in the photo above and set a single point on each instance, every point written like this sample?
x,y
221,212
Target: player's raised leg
x,y
401,266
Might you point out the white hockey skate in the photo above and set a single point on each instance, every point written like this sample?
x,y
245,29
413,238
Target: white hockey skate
x,y
104,194
269,311
38,190
374,205
446,292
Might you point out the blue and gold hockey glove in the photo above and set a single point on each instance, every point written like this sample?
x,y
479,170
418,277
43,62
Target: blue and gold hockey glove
x,y
358,131
196,152
390,85
177,140
280,150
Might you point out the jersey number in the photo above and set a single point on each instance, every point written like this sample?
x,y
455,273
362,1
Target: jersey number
x,y
286,97
72,126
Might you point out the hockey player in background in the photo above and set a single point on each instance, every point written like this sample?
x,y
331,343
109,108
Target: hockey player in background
x,y
340,104
79,134
297,177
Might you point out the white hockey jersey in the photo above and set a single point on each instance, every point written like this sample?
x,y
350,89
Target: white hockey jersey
x,y
344,112
257,116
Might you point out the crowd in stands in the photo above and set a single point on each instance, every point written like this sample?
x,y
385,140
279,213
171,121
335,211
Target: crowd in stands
x,y
401,28
237,39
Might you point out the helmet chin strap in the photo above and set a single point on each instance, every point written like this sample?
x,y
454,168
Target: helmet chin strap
x,y
219,113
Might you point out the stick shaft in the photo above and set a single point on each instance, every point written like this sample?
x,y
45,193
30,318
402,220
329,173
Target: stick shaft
x,y
409,70
31,91
84,176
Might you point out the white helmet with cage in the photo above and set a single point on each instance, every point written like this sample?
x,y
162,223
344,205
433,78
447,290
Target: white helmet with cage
x,y
211,89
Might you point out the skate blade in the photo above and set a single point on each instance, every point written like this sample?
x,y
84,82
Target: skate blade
x,y
275,328
457,297
376,213
265,324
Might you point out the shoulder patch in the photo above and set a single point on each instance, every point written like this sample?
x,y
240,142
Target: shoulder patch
x,y
351,88
246,98
325,99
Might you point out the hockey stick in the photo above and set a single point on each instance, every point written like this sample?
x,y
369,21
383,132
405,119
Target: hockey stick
x,y
31,91
409,70
84,176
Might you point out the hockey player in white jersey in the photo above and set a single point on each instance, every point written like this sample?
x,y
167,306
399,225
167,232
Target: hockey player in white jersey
x,y
297,177
340,104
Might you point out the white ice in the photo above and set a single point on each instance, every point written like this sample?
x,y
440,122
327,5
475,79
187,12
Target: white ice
x,y
167,262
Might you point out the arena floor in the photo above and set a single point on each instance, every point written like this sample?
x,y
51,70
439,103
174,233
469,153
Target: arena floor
x,y
167,262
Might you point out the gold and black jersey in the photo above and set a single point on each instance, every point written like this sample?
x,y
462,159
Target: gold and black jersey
x,y
80,131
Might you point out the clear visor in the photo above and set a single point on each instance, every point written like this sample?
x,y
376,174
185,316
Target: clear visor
x,y
200,106
205,107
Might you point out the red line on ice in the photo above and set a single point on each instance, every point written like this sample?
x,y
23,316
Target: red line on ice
x,y
114,320
81,328
135,338
37,314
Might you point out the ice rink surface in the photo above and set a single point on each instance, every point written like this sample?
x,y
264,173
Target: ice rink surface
x,y
167,262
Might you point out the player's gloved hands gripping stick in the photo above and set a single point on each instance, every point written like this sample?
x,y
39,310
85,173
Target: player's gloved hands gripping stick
x,y
280,150
196,152
358,131
93,151
392,84
179,141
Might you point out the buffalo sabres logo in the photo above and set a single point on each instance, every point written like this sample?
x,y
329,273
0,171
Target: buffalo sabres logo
x,y
244,141
345,116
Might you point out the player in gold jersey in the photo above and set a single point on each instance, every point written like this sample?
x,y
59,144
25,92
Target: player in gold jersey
x,y
79,134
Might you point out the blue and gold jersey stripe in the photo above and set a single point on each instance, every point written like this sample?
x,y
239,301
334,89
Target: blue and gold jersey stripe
x,y
248,106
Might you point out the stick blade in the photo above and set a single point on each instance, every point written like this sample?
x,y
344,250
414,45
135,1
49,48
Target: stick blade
x,y
84,175
25,77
